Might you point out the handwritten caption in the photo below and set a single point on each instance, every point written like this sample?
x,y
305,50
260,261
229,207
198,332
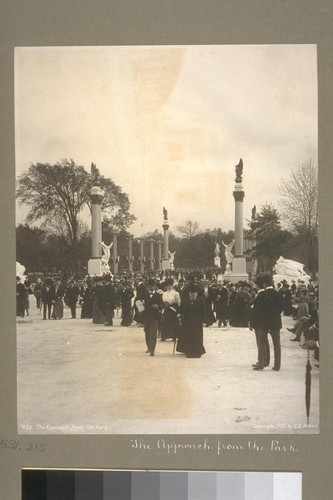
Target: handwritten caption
x,y
218,447
16,445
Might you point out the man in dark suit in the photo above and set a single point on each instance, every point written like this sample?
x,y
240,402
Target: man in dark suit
x,y
266,318
71,296
48,297
153,304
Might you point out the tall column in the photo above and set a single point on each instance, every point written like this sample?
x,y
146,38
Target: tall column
x,y
239,237
95,263
159,252
239,263
142,264
130,254
165,225
151,258
115,253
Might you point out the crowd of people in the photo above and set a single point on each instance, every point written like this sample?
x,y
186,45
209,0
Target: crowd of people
x,y
174,305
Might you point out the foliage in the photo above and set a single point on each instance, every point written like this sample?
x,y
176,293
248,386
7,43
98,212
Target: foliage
x,y
189,229
29,245
299,209
59,193
268,237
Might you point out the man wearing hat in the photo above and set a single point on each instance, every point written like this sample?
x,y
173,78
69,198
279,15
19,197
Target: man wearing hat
x,y
266,318
48,297
153,305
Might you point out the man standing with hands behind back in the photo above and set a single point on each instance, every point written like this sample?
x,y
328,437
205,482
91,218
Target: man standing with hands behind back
x,y
267,319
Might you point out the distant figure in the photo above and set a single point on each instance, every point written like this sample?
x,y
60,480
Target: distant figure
x,y
239,171
165,213
228,255
171,258
217,250
106,256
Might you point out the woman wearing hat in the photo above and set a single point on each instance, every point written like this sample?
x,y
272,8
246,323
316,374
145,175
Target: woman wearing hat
x,y
126,296
169,323
193,319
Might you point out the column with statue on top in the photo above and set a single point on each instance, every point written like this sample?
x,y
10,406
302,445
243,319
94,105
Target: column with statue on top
x,y
238,271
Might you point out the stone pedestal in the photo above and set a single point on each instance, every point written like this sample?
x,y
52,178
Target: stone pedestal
x,y
95,267
238,272
217,261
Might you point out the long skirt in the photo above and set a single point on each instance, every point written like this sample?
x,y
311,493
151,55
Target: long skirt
x,y
190,341
58,309
98,313
126,314
169,325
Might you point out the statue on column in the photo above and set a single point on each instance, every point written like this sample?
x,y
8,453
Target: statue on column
x,y
227,252
95,174
165,214
171,258
106,256
239,171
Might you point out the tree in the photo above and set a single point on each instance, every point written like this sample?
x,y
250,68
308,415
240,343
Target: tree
x,y
299,209
29,244
189,229
56,195
268,237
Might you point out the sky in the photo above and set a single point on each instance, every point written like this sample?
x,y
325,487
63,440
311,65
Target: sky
x,y
169,123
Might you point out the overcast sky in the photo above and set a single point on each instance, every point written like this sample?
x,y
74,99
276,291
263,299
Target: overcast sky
x,y
169,124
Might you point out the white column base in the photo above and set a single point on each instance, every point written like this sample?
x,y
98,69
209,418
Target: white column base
x,y
165,264
217,261
238,272
95,267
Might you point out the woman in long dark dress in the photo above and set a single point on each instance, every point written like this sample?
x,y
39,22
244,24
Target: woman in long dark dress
x,y
193,318
126,296
99,316
86,300
59,292
240,314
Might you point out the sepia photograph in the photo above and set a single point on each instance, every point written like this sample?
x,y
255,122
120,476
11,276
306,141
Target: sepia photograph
x,y
159,485
167,239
